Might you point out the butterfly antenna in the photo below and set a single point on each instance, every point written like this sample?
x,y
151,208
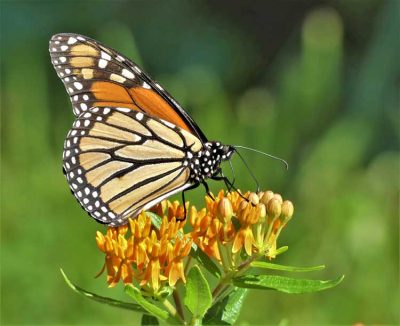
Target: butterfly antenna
x,y
248,168
266,154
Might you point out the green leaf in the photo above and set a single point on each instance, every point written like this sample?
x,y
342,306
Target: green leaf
x,y
262,264
198,296
151,308
226,311
234,305
148,320
205,261
95,297
284,284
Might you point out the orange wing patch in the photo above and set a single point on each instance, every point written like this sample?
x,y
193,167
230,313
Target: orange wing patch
x,y
96,76
111,94
136,98
152,103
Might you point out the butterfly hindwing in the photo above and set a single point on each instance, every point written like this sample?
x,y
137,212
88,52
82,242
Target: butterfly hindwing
x,y
96,75
118,162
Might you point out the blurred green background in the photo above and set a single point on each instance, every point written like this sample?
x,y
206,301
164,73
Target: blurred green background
x,y
315,82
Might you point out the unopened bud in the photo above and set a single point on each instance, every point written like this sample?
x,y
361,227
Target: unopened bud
x,y
263,213
266,197
287,209
279,198
224,209
263,210
253,198
274,207
242,205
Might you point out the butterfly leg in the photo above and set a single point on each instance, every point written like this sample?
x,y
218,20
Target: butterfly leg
x,y
194,186
229,185
209,194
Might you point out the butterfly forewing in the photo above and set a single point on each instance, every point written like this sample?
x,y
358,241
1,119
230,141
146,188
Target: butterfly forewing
x,y
118,162
96,75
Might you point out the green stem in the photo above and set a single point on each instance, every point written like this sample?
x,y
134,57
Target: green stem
x,y
178,303
195,322
173,311
188,263
222,253
224,283
222,293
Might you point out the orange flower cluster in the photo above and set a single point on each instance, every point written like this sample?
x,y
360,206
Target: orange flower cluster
x,y
150,256
232,222
229,223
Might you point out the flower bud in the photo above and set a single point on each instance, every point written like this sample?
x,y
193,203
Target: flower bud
x,y
263,212
287,209
279,198
224,209
253,198
274,207
242,205
266,197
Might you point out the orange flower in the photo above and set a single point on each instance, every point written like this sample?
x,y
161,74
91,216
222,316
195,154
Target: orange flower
x,y
147,255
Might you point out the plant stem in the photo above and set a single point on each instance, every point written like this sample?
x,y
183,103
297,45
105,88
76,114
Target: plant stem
x,y
173,311
217,289
178,303
188,263
224,283
222,293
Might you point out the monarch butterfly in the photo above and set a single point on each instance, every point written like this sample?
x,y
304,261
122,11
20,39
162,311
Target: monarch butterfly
x,y
131,144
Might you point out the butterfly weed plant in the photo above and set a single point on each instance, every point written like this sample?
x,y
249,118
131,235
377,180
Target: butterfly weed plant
x,y
199,270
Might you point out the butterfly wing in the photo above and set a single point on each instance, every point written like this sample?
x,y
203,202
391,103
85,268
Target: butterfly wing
x,y
118,162
96,75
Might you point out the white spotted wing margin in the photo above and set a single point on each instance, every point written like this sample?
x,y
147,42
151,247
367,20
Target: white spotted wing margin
x,y
119,162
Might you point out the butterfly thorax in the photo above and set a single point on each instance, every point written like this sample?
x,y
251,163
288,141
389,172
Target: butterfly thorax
x,y
206,163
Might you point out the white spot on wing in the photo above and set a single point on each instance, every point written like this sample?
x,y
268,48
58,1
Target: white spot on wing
x,y
78,85
103,63
72,40
126,110
145,85
128,74
105,56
